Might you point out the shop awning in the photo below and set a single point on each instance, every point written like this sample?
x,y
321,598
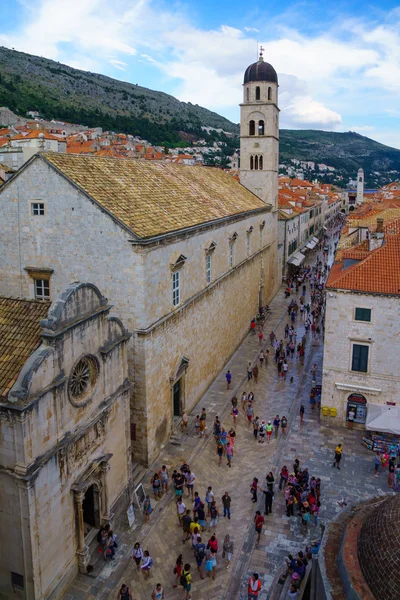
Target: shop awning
x,y
316,240
323,227
311,244
381,417
296,259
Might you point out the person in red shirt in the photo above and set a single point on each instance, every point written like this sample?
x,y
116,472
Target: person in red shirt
x,y
258,522
253,587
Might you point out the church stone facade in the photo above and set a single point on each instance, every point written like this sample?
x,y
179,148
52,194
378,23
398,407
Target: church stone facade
x,y
65,458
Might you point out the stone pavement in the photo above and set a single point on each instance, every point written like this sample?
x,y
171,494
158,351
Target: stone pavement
x,y
312,444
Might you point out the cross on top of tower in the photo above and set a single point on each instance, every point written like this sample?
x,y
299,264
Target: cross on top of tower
x,y
261,53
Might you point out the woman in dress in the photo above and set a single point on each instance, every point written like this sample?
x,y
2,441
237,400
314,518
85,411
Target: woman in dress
x,y
227,550
156,483
147,509
137,554
178,570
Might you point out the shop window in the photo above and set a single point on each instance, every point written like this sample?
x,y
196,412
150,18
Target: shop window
x,y
359,360
363,314
358,404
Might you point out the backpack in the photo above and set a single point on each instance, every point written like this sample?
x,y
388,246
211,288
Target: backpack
x,y
183,580
261,429
201,554
213,512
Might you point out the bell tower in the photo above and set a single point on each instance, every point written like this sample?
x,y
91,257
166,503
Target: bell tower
x,y
259,132
360,186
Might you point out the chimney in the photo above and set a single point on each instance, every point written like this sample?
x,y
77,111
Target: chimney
x,y
379,225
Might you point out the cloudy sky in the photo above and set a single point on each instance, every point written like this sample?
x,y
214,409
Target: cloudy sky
x,y
338,61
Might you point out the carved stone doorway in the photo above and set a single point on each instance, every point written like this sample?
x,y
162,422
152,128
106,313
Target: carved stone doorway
x,y
177,398
178,384
91,509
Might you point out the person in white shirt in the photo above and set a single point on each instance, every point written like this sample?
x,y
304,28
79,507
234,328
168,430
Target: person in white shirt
x,y
180,509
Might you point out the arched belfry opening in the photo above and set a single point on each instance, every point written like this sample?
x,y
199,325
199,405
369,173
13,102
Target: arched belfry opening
x,y
269,93
261,127
258,93
252,128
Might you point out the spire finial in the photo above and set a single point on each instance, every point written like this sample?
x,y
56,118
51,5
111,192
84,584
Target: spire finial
x,y
261,58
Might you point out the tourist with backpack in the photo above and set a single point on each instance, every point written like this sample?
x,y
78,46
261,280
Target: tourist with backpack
x,y
214,514
186,582
253,587
124,593
200,554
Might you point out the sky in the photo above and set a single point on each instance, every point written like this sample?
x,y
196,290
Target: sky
x,y
338,62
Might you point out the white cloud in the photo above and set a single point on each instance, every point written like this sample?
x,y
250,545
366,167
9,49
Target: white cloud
x,y
343,73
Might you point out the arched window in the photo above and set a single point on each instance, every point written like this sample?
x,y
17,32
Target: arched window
x,y
258,95
269,93
252,128
260,127
251,163
260,163
256,163
247,94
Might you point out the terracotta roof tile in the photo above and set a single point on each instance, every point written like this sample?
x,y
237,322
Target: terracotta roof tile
x,y
152,198
19,336
378,273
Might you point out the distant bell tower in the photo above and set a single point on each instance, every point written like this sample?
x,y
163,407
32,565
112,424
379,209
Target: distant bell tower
x,y
360,186
259,131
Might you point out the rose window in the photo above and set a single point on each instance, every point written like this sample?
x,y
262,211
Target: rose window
x,y
82,380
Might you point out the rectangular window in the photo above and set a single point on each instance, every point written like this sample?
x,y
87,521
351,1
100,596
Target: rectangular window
x,y
42,289
231,254
360,358
248,244
208,268
37,209
176,288
17,581
363,314
311,229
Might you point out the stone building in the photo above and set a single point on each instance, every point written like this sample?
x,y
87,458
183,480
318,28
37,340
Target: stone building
x,y
64,436
361,348
186,253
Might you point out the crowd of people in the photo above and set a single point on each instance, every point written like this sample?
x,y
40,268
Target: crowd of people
x,y
197,514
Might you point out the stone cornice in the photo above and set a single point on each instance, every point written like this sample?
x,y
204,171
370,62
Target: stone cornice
x,y
348,387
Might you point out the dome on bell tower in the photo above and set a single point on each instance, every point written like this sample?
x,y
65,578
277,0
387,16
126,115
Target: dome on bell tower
x,y
260,71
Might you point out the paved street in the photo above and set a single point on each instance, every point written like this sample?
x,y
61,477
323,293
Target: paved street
x,y
312,444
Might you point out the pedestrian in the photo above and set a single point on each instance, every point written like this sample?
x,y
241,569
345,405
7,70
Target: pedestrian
x,y
244,401
301,413
201,515
283,477
249,414
213,515
180,510
269,429
256,425
228,378
147,509
272,338
338,456
268,501
261,431
163,473
190,481
147,564
227,550
284,425
253,587
220,452
186,582
255,373
200,554
391,473
377,463
285,368
258,523
229,454
209,498
197,425
211,561
158,592
196,503
156,483
249,372
226,503
186,521
253,489
276,424
203,426
184,423
137,554
270,481
261,356
260,337
124,593
235,414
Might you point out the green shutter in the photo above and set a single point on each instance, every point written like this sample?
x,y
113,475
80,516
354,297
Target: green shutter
x,y
360,358
363,314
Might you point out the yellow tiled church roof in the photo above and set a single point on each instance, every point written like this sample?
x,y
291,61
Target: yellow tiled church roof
x,y
19,336
155,198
